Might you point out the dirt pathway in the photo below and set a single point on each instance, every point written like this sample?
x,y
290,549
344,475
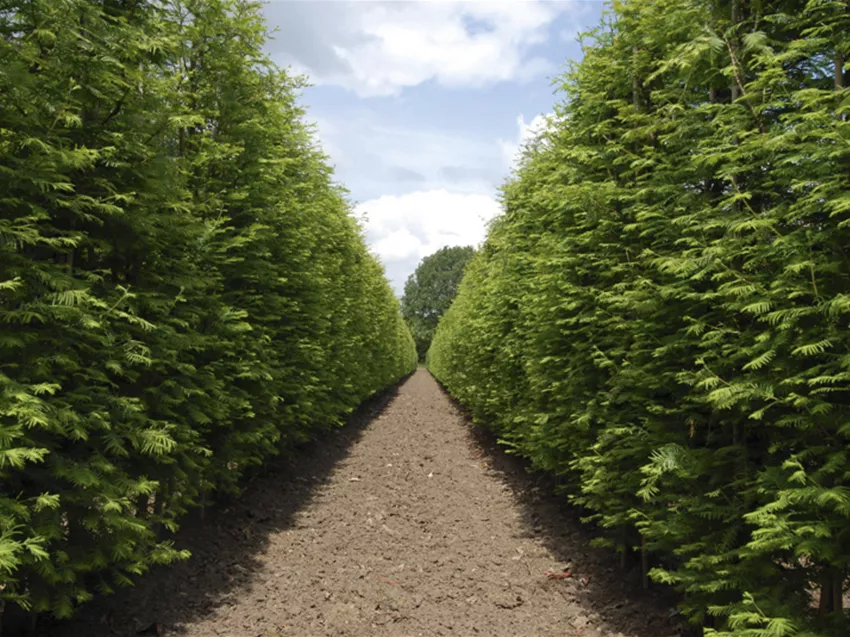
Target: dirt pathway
x,y
403,523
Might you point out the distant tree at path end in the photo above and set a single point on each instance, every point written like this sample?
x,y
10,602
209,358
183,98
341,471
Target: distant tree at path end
x,y
430,290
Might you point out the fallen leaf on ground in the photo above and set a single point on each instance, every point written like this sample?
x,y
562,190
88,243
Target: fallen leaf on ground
x,y
554,575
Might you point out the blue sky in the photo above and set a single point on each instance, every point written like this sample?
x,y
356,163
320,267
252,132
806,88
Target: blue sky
x,y
421,105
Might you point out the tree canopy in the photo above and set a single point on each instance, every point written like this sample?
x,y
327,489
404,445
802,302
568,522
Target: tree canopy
x,y
430,290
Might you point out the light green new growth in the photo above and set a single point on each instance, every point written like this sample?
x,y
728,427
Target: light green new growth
x,y
660,315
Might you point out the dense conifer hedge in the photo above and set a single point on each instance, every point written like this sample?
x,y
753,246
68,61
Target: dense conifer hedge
x,y
183,290
661,314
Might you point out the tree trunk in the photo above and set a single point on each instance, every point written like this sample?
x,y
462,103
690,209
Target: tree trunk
x,y
736,18
825,605
831,592
838,591
202,504
158,508
635,81
142,506
624,546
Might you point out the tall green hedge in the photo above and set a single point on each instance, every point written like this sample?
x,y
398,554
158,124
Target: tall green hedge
x,y
661,314
183,290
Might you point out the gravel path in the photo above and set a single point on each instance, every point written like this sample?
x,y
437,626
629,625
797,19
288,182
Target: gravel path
x,y
404,523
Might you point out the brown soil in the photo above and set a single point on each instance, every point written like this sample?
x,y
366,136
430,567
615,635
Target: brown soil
x,y
405,522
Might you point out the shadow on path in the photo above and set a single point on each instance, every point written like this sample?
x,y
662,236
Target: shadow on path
x,y
598,581
227,547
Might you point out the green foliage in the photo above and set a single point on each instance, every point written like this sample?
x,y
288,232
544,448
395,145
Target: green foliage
x,y
660,315
430,290
183,290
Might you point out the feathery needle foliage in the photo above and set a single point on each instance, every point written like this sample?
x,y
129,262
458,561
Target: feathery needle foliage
x,y
660,315
183,290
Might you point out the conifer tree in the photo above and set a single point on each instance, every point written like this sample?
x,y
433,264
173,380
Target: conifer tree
x,y
183,289
657,317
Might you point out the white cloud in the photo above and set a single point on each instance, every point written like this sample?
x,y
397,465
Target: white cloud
x,y
399,245
526,132
378,158
403,229
380,48
451,203
453,180
325,134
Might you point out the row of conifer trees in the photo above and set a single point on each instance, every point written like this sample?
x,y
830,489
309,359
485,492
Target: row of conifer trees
x,y
183,288
660,317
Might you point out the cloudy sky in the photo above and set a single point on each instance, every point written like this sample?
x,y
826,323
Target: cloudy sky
x,y
422,105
